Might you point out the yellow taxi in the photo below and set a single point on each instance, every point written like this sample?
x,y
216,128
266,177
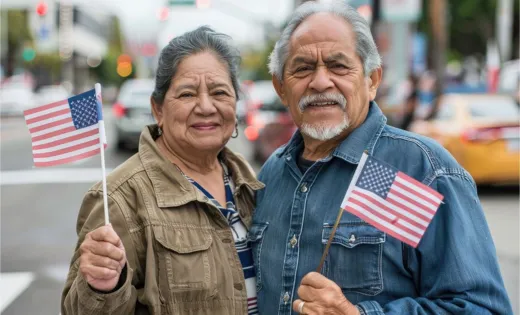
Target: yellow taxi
x,y
482,131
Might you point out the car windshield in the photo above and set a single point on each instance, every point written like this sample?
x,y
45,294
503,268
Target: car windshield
x,y
503,109
136,98
264,93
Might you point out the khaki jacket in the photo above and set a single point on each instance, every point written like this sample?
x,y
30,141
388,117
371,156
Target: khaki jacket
x,y
181,257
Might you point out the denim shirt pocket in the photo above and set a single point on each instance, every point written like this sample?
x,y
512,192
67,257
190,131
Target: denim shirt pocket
x,y
354,261
256,236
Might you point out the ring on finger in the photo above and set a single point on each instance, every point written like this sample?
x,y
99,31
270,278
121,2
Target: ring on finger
x,y
300,307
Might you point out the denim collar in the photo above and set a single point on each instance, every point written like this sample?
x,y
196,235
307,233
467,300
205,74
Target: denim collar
x,y
360,139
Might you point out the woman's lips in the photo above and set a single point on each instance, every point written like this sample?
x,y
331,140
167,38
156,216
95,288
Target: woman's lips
x,y
209,126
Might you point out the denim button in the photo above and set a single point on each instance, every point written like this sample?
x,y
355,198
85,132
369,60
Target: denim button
x,y
304,188
352,238
293,241
286,297
288,158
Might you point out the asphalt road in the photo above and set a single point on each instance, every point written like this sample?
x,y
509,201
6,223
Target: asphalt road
x,y
39,209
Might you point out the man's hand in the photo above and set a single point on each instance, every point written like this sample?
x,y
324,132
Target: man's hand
x,y
322,296
102,258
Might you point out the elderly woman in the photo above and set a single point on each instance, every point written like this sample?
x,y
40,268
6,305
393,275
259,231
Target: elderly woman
x,y
180,207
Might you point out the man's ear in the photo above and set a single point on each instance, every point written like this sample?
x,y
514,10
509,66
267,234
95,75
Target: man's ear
x,y
278,86
374,80
157,112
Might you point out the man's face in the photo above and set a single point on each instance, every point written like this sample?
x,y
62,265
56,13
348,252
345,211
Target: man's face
x,y
324,85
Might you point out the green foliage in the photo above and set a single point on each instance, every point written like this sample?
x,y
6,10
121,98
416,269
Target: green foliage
x,y
470,24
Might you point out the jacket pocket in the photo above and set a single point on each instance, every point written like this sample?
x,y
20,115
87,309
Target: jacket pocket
x,y
256,237
354,260
186,258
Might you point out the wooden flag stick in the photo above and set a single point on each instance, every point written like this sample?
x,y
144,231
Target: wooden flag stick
x,y
331,237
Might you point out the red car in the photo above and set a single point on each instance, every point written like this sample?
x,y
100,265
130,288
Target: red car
x,y
268,122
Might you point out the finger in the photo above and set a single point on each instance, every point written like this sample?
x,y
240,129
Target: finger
x,y
308,307
104,262
98,273
106,249
308,293
106,233
315,280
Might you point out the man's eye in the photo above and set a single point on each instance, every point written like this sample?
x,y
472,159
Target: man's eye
x,y
304,68
338,66
221,92
186,95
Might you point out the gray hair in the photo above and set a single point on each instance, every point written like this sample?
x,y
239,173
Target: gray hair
x,y
365,45
202,39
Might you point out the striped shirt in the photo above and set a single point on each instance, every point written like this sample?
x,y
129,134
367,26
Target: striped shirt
x,y
239,232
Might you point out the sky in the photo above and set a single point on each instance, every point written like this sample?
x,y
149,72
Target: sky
x,y
140,23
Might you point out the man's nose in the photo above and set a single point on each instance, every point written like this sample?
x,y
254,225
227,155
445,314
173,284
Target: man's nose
x,y
321,80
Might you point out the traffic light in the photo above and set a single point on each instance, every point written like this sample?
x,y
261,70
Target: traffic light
x,y
163,14
124,65
42,8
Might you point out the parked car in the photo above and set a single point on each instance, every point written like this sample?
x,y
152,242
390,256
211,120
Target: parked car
x,y
482,131
132,112
269,124
15,98
51,93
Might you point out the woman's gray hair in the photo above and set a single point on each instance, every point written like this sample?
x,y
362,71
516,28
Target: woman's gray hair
x,y
202,39
365,45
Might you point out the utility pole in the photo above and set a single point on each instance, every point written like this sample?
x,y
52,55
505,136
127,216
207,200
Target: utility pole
x,y
376,17
438,23
504,28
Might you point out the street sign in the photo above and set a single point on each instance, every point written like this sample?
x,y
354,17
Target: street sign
x,y
181,2
401,10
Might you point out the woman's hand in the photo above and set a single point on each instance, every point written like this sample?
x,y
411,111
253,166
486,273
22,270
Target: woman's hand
x,y
102,258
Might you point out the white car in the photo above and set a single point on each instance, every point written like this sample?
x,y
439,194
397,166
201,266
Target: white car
x,y
15,98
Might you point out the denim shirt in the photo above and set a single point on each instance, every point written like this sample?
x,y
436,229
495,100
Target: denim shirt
x,y
454,269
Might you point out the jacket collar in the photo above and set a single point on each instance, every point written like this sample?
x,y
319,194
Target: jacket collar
x,y
171,187
360,139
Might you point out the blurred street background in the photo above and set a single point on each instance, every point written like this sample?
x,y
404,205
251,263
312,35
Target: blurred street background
x,y
451,72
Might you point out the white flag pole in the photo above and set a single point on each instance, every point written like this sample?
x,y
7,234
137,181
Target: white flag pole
x,y
102,141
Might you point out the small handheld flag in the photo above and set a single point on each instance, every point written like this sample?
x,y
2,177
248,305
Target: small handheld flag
x,y
389,200
65,131
68,131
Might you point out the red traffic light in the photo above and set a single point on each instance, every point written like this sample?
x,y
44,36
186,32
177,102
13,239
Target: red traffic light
x,y
163,13
41,8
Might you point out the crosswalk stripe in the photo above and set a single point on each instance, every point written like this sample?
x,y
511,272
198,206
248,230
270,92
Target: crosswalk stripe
x,y
12,285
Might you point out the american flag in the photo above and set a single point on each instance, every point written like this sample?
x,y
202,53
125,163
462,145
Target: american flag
x,y
65,131
391,201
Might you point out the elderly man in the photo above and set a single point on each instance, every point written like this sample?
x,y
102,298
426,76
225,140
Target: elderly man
x,y
326,70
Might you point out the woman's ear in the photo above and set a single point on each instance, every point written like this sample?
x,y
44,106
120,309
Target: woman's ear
x,y
157,112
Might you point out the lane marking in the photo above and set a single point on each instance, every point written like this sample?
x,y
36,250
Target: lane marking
x,y
51,176
12,285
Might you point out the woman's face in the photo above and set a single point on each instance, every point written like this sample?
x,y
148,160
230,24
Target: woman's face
x,y
198,111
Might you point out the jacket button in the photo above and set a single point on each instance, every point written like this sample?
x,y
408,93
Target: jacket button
x,y
238,286
304,188
352,238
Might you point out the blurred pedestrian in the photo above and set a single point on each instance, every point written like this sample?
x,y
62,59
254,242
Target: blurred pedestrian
x,y
411,103
180,208
327,70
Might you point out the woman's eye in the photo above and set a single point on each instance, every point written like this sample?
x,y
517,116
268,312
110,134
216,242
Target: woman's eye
x,y
186,95
339,66
220,92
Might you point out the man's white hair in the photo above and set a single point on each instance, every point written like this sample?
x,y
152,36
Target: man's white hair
x,y
365,45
